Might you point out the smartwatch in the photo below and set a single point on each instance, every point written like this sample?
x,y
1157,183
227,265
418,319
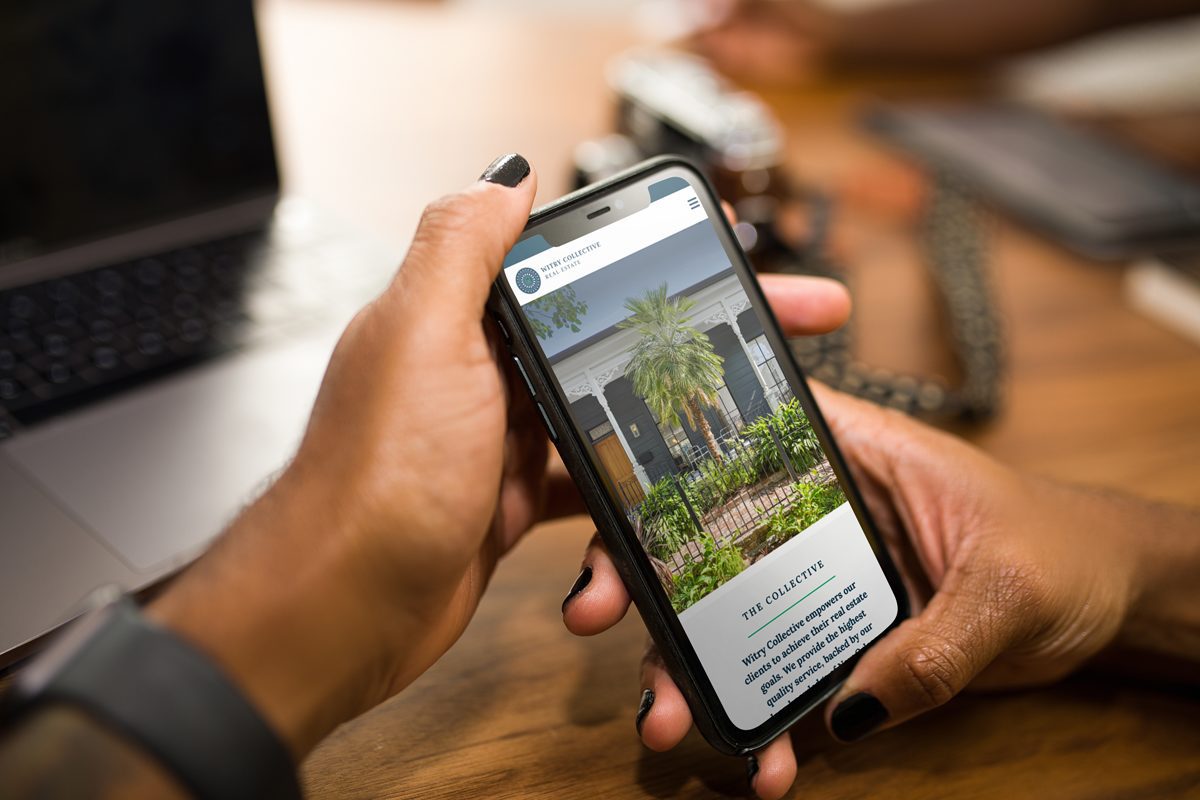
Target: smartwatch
x,y
162,694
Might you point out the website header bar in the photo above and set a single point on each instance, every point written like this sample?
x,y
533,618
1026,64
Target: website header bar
x,y
557,267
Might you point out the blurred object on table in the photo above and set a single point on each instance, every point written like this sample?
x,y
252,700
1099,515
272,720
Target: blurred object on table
x,y
1142,84
1167,289
1151,70
669,102
794,41
1077,187
1119,63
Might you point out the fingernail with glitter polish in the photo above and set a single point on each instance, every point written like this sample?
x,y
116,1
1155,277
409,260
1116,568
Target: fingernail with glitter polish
x,y
507,170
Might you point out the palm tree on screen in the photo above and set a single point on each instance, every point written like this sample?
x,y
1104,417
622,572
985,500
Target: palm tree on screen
x,y
673,365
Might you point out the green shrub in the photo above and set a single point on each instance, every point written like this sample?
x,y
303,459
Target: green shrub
x,y
763,453
785,523
719,481
697,579
812,502
739,471
822,497
666,524
795,433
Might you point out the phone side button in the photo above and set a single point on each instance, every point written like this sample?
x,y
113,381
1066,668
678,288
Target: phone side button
x,y
549,428
500,325
525,377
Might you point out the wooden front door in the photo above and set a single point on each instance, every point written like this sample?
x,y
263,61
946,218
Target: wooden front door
x,y
620,471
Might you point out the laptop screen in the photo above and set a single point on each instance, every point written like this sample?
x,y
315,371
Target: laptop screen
x,y
122,113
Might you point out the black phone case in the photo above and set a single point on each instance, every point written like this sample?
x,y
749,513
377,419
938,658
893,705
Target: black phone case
x,y
706,711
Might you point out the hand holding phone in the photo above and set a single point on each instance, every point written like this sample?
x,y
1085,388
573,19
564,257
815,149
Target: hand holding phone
x,y
664,380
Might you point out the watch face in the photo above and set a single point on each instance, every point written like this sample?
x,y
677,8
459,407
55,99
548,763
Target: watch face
x,y
528,281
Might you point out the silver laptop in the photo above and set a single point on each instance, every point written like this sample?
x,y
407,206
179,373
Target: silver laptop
x,y
165,318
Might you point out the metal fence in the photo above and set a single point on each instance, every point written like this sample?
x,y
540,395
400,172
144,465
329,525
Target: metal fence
x,y
730,498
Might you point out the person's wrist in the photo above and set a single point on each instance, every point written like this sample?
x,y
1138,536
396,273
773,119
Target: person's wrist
x,y
1164,616
1090,566
284,603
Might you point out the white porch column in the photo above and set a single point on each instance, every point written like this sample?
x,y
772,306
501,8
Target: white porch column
x,y
762,384
598,391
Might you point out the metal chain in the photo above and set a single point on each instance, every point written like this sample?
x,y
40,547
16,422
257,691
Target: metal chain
x,y
953,237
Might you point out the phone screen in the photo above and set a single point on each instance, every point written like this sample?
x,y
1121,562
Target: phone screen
x,y
674,384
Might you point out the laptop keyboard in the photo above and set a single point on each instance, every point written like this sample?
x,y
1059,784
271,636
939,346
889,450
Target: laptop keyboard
x,y
66,340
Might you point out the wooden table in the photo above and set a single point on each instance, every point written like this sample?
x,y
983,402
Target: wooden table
x,y
380,106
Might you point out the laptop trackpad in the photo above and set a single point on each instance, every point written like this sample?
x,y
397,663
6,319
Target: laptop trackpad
x,y
158,472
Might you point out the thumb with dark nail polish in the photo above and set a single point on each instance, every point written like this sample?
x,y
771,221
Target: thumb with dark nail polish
x,y
507,170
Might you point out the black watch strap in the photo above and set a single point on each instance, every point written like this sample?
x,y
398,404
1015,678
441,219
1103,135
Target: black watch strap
x,y
167,697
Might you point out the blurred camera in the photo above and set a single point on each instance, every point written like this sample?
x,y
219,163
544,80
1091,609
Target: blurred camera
x,y
670,102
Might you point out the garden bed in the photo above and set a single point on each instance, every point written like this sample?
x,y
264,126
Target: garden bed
x,y
796,506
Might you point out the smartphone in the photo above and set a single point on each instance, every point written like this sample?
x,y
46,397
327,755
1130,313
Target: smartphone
x,y
638,327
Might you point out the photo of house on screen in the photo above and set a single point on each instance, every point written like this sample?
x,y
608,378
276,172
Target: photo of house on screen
x,y
673,383
636,451
590,355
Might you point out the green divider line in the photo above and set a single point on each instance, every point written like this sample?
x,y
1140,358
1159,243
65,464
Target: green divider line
x,y
793,605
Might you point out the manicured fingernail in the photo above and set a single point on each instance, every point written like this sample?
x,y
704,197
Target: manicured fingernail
x,y
644,709
751,770
856,716
508,170
585,577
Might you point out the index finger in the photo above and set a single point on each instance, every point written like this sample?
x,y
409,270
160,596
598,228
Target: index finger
x,y
806,305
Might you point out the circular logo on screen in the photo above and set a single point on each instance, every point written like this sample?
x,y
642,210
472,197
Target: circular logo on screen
x,y
528,281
